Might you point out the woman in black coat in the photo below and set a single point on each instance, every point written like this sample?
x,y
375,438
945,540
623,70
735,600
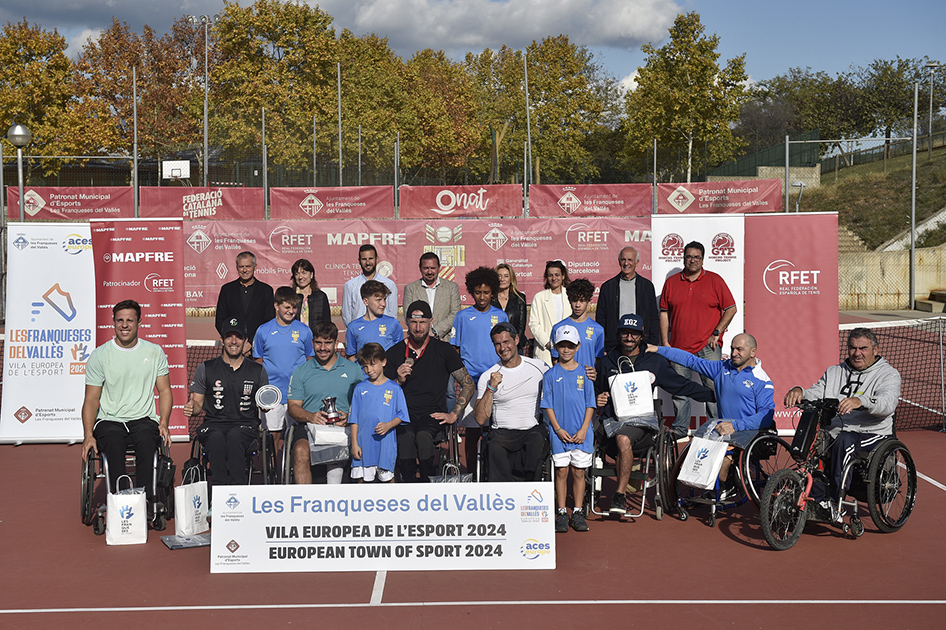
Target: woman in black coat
x,y
512,301
315,307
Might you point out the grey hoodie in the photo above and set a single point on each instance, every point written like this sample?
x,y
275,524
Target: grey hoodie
x,y
877,387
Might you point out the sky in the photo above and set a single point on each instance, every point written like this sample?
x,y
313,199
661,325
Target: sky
x,y
828,35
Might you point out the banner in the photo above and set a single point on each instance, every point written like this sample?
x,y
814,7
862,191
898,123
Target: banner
x,y
588,247
755,195
56,203
488,200
205,204
50,318
791,298
141,260
397,527
344,202
596,200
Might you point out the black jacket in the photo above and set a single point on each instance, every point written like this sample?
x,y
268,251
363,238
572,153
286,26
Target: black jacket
x,y
319,310
609,301
230,305
516,312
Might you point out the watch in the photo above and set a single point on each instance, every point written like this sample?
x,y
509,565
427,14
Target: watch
x,y
716,333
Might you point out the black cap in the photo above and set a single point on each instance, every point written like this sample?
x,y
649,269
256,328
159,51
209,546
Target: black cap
x,y
503,327
418,305
233,326
631,322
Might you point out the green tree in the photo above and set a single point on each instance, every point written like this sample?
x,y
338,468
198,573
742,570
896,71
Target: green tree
x,y
888,88
683,95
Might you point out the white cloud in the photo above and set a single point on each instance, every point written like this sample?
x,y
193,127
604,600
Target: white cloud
x,y
628,83
78,41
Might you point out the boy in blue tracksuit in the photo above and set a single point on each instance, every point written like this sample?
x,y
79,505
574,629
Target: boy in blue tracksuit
x,y
374,325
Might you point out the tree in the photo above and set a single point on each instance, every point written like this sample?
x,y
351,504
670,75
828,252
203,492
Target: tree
x,y
683,95
888,88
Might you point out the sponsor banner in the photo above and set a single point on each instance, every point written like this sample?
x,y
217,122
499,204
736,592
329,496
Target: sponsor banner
x,y
755,195
723,237
791,295
345,202
54,203
50,323
142,260
588,247
489,200
402,527
201,204
597,200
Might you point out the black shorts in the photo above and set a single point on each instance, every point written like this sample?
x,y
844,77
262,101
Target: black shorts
x,y
642,438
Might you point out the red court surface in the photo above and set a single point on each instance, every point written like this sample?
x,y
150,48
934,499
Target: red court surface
x,y
643,573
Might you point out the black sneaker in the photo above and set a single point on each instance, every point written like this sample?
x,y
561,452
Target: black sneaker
x,y
618,505
579,524
561,523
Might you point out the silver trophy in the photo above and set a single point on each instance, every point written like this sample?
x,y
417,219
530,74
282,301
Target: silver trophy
x,y
331,411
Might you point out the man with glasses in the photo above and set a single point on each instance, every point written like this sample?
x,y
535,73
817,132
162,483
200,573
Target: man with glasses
x,y
696,306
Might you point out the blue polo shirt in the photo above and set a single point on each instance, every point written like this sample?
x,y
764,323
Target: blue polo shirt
x,y
592,340
311,382
471,334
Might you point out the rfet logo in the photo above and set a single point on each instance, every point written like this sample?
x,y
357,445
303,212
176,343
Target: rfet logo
x,y
156,284
780,277
723,245
581,236
672,245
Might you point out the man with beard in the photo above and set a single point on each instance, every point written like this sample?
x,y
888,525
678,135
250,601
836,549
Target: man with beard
x,y
245,300
353,306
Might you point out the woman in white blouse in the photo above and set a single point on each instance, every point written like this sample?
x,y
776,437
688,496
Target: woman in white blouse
x,y
549,307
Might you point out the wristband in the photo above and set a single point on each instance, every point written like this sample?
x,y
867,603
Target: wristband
x,y
492,389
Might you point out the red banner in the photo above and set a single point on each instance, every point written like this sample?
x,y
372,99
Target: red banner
x,y
756,195
345,202
589,248
56,203
594,200
791,292
433,202
141,260
201,204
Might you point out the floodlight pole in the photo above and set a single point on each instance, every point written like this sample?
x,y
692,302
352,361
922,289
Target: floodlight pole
x,y
314,154
932,66
265,167
528,169
134,144
338,75
916,103
786,173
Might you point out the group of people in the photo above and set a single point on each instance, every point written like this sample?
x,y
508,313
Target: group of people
x,y
394,395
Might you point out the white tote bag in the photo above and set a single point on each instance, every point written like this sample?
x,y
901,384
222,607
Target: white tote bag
x,y
632,393
126,521
703,461
190,505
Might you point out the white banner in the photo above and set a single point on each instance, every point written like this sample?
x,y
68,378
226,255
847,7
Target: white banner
x,y
394,527
50,331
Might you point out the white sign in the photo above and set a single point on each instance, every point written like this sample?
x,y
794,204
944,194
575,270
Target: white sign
x,y
390,527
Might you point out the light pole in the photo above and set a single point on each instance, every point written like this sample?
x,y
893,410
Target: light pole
x,y
800,185
932,66
19,136
206,20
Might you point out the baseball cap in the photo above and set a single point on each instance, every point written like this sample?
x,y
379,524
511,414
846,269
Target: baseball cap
x,y
233,326
566,333
631,322
503,327
418,305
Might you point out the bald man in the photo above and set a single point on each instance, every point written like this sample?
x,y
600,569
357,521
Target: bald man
x,y
627,292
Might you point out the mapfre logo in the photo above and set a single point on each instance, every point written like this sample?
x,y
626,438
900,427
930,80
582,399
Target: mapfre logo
x,y
136,257
781,277
723,245
156,284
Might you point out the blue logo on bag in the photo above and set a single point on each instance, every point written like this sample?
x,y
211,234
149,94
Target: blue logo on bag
x,y
702,453
196,502
630,387
125,512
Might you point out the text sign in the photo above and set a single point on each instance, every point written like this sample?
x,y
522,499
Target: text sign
x,y
395,527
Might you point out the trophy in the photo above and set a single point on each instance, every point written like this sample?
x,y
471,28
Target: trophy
x,y
328,406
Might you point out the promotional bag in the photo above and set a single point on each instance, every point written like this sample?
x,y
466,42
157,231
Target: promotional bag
x,y
703,461
126,520
191,501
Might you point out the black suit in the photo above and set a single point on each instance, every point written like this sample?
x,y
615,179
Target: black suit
x,y
319,310
609,301
258,311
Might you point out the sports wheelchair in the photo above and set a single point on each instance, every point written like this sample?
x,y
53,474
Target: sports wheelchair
x,y
95,467
260,459
884,477
519,472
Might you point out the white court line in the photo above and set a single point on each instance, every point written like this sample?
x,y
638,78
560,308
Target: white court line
x,y
377,592
932,481
531,602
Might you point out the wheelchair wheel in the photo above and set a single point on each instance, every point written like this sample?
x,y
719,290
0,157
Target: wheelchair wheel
x,y
87,492
679,494
666,449
286,470
891,486
782,520
764,456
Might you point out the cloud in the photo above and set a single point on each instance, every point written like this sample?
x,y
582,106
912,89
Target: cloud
x,y
628,83
79,40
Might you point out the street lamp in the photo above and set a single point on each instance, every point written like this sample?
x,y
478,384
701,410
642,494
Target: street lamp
x,y
932,66
19,136
206,20
801,188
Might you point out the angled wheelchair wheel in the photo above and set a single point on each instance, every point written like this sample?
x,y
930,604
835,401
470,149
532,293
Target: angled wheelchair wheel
x,y
764,456
666,460
782,520
88,489
286,470
891,486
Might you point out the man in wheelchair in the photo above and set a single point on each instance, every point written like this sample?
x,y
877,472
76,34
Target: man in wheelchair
x,y
868,389
628,439
225,389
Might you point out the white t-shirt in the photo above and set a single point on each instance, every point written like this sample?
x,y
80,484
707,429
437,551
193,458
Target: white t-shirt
x,y
516,401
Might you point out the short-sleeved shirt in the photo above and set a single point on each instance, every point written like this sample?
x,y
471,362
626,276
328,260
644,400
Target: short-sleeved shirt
x,y
127,377
694,308
353,305
516,400
384,330
471,334
426,388
592,340
568,393
283,349
370,405
311,382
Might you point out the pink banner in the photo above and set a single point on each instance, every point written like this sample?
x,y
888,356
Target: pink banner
x,y
756,195
791,292
432,202
345,202
596,200
201,204
56,203
141,260
589,248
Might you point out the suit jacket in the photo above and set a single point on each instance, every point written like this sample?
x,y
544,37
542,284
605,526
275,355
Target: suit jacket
x,y
319,309
230,305
542,318
446,303
609,301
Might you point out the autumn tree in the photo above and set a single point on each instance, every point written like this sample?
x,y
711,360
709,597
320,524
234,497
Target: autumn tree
x,y
887,85
683,95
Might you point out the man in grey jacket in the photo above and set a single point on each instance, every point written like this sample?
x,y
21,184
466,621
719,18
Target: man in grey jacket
x,y
868,389
441,294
